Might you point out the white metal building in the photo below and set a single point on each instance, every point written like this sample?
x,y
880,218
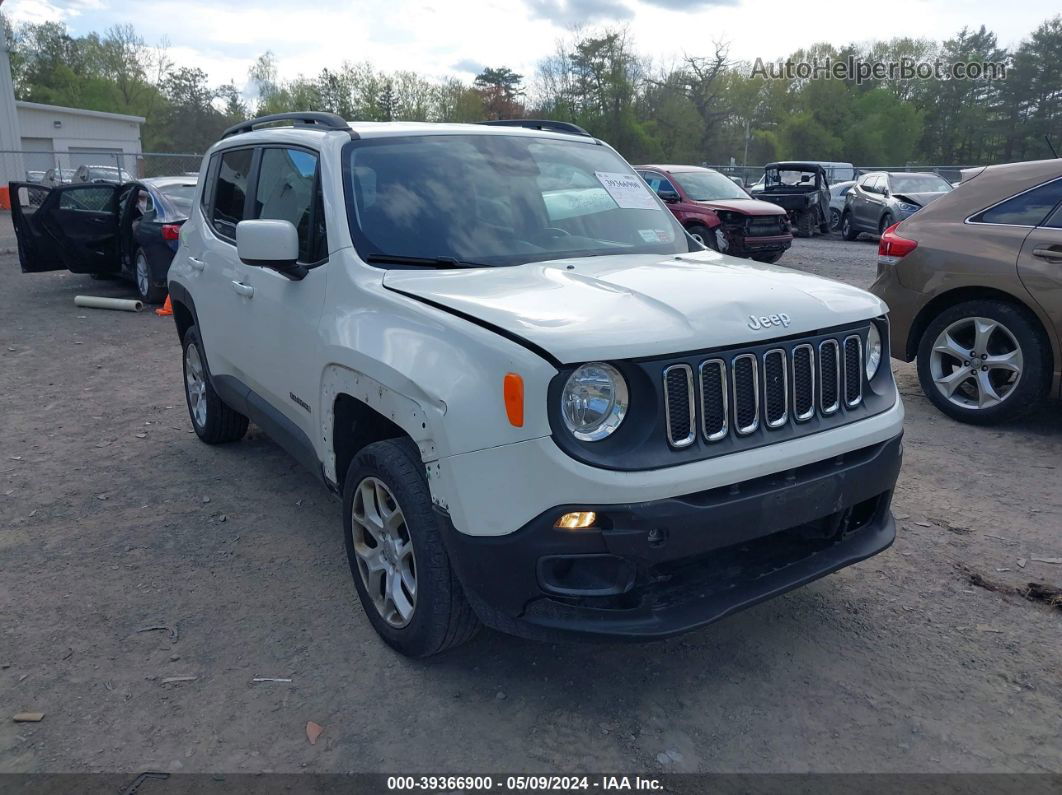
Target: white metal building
x,y
70,137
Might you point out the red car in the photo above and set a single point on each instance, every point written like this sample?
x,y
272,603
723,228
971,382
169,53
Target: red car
x,y
719,213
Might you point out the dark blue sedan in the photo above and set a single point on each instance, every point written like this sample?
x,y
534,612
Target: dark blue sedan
x,y
129,230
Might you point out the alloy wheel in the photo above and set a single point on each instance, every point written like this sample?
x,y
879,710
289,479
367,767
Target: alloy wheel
x,y
143,278
976,362
195,384
384,551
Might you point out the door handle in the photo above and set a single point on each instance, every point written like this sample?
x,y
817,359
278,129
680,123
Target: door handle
x,y
1048,253
197,264
243,289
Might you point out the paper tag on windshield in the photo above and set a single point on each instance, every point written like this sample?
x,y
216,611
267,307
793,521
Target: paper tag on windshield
x,y
627,190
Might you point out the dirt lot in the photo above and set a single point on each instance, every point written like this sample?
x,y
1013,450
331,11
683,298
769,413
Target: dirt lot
x,y
114,518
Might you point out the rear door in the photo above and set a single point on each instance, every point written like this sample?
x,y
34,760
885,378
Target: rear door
x,y
1040,259
73,227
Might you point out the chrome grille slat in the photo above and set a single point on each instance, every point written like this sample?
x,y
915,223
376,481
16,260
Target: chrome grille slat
x,y
803,382
775,394
679,410
745,380
715,419
829,376
853,370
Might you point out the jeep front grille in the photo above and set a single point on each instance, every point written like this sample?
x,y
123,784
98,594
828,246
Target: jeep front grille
x,y
741,392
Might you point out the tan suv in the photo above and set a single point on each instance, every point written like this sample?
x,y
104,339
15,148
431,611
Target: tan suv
x,y
974,288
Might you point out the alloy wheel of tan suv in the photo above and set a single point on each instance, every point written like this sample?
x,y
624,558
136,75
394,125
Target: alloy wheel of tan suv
x,y
983,361
976,362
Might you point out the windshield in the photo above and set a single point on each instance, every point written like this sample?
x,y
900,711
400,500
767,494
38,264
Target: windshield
x,y
501,200
702,186
919,183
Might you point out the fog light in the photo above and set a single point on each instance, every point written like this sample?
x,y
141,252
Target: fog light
x,y
578,520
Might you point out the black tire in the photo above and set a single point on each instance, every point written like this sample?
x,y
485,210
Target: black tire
x,y
885,222
770,259
835,220
1033,383
221,423
441,617
848,232
805,224
704,235
149,292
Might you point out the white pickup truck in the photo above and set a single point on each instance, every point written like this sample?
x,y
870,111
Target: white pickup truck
x,y
546,408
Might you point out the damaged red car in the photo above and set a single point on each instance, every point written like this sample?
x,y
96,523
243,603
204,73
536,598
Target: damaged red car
x,y
719,213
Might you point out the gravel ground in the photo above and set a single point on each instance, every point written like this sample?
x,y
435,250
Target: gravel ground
x,y
114,519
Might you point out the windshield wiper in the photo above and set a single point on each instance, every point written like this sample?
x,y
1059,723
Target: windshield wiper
x,y
433,262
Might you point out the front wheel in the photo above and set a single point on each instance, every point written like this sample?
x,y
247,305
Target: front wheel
x,y
983,362
885,222
848,232
149,292
703,235
405,582
835,219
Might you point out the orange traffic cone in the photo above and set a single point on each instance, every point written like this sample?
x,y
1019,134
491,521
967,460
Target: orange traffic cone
x,y
167,309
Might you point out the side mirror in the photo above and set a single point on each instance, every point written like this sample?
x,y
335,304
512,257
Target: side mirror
x,y
268,243
669,196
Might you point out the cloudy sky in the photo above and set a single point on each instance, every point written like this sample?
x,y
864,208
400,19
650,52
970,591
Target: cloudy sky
x,y
458,37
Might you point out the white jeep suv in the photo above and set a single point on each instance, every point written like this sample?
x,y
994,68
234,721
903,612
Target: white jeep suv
x,y
546,408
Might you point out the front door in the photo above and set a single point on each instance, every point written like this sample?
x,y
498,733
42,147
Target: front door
x,y
73,227
279,317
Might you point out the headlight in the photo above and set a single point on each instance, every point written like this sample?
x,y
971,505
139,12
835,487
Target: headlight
x,y
908,208
872,359
594,401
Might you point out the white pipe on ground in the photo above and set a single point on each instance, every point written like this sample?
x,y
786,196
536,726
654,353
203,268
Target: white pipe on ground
x,y
98,302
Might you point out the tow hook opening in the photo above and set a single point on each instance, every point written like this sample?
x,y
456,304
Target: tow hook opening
x,y
586,575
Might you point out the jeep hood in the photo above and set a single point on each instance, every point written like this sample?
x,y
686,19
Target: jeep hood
x,y
619,307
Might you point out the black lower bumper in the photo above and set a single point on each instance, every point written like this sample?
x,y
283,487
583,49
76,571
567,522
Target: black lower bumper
x,y
659,568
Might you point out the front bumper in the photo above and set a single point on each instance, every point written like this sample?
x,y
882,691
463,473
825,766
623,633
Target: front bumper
x,y
666,566
769,244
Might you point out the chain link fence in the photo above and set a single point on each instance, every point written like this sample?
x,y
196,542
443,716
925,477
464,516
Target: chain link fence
x,y
56,168
747,176
53,168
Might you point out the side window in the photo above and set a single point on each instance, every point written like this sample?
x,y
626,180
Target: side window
x,y
89,198
867,183
658,182
287,190
1055,221
230,190
1025,209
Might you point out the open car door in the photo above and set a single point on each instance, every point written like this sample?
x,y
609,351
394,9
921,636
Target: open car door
x,y
73,227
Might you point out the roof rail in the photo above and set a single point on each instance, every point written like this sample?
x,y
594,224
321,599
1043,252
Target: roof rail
x,y
540,124
309,118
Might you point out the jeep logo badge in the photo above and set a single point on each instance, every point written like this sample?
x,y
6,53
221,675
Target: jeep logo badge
x,y
766,321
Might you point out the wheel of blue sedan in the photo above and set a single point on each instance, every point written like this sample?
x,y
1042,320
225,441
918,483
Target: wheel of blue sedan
x,y
149,292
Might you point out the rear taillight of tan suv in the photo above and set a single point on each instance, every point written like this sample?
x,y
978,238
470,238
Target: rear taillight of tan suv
x,y
892,247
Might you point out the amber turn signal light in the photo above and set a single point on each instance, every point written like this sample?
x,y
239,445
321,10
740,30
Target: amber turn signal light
x,y
513,390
